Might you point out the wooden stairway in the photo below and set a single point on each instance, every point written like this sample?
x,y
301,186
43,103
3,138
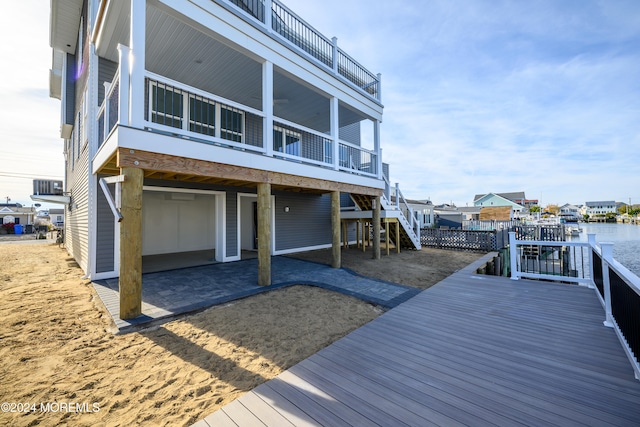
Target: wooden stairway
x,y
365,203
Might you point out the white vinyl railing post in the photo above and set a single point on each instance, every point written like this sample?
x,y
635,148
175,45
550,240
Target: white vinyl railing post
x,y
123,88
334,53
398,196
607,256
513,251
591,238
268,21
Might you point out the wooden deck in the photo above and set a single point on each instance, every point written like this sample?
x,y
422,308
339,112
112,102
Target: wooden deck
x,y
472,350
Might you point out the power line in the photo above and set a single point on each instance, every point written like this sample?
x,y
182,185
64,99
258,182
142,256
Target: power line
x,y
28,176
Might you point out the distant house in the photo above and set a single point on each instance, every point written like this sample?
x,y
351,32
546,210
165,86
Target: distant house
x,y
497,200
15,213
423,211
56,216
516,197
570,212
599,208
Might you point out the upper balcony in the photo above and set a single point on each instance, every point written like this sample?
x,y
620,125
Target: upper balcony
x,y
213,75
293,32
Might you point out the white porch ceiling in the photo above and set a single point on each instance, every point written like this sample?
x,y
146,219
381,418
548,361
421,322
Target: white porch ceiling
x,y
181,52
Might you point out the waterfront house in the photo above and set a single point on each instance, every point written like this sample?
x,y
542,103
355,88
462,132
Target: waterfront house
x,y
501,200
600,208
211,125
570,212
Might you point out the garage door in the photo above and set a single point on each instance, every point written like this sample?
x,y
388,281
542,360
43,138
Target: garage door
x,y
177,222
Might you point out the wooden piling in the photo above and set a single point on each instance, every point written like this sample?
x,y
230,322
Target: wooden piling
x,y
264,234
335,230
130,281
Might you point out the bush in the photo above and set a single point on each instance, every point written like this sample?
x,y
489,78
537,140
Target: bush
x,y
9,226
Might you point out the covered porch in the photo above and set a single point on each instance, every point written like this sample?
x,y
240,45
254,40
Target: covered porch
x,y
129,169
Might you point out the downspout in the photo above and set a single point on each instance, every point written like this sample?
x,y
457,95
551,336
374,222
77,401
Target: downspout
x,y
98,23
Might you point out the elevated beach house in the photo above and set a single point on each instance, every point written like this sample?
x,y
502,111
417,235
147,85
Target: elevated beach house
x,y
220,125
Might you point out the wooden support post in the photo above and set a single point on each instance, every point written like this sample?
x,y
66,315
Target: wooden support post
x,y
130,281
335,230
264,234
376,227
386,233
357,233
344,241
397,222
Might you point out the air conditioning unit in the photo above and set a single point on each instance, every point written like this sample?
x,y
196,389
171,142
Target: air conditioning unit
x,y
47,187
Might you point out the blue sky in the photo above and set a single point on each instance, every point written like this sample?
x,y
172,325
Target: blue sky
x,y
480,96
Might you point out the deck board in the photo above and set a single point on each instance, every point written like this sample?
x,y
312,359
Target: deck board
x,y
469,351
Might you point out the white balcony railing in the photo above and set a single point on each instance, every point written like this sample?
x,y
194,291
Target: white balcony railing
x,y
587,264
173,108
108,114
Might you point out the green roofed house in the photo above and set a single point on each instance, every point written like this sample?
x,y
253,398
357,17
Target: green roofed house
x,y
212,125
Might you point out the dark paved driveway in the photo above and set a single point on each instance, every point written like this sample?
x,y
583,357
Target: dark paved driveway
x,y
169,293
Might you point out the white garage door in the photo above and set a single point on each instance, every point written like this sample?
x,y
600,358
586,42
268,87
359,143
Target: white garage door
x,y
177,222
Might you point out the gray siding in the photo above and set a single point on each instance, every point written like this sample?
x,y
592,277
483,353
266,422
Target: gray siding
x,y
105,233
77,167
346,201
77,217
69,97
106,72
232,223
308,222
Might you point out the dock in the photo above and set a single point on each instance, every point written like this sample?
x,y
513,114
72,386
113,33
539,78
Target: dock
x,y
471,350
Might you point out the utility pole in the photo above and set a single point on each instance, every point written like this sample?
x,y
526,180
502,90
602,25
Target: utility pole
x,y
8,199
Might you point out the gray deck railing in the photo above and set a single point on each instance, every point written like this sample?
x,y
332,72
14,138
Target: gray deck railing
x,y
292,29
586,264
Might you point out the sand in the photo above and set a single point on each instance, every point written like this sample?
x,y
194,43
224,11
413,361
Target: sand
x,y
57,355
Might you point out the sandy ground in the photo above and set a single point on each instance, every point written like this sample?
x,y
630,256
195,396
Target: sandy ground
x,y
56,354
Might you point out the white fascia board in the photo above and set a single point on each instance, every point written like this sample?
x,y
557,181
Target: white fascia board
x,y
255,43
369,214
106,150
135,139
55,84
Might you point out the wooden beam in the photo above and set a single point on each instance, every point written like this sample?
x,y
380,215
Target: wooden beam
x,y
130,281
174,165
376,227
264,234
335,230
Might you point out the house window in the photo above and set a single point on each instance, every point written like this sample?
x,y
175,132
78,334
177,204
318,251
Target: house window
x,y
166,105
202,115
286,141
231,124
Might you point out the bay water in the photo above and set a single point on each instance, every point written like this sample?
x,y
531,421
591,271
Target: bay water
x,y
625,239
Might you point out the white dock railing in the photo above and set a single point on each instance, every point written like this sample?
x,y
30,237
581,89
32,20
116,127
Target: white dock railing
x,y
587,264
